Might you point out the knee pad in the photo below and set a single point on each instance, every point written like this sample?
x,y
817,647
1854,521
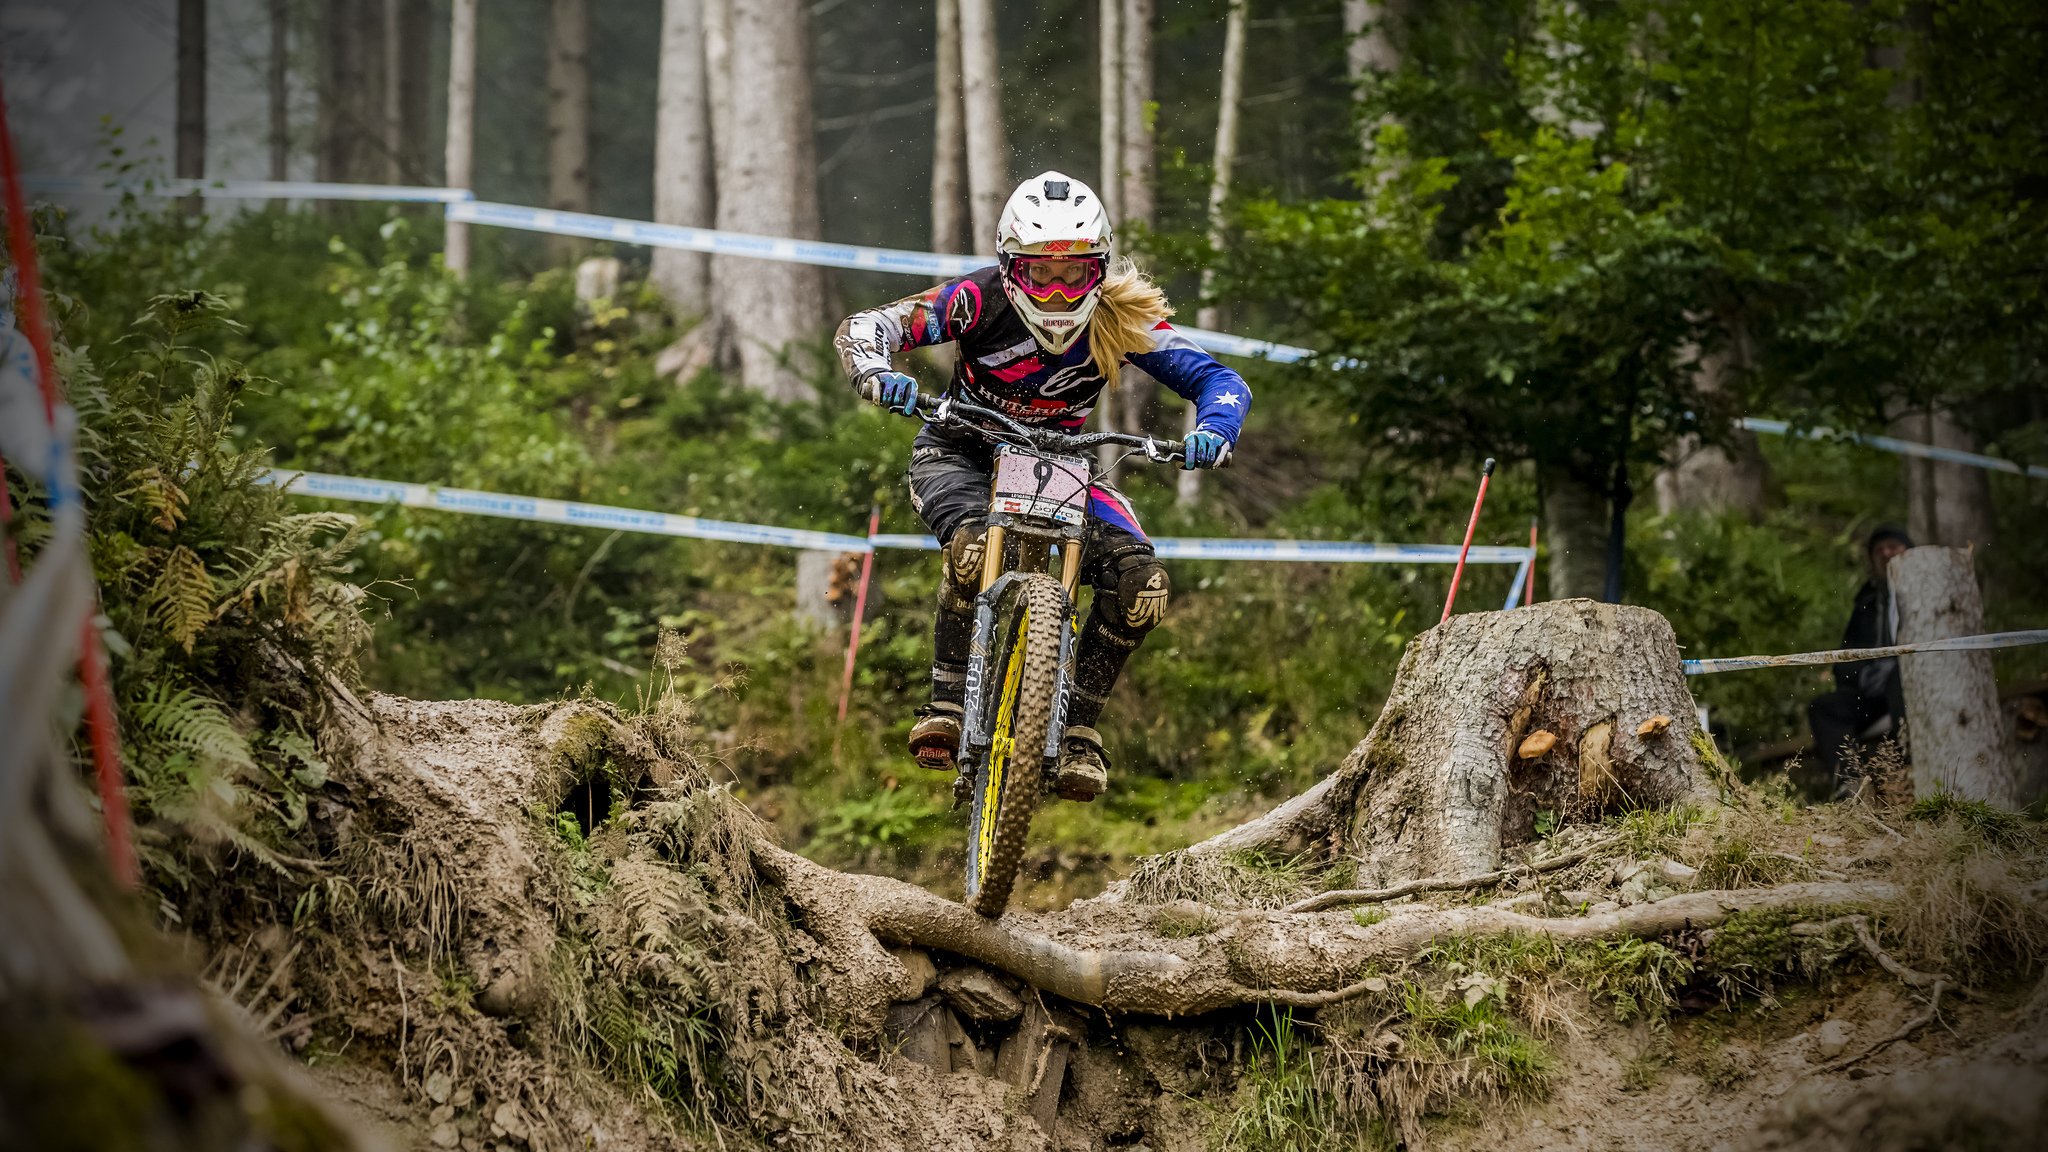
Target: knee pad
x,y
1140,597
963,554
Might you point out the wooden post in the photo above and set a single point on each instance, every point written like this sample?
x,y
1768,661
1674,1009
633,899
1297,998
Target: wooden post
x,y
1953,726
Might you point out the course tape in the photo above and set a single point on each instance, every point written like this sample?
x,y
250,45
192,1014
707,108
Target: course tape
x,y
545,511
935,264
248,189
1893,444
1844,655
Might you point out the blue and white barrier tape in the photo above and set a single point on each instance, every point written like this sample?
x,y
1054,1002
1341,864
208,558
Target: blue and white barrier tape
x,y
1986,641
248,189
1893,444
934,264
545,511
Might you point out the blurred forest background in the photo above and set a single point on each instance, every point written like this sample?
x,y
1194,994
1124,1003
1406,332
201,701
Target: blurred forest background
x,y
1581,237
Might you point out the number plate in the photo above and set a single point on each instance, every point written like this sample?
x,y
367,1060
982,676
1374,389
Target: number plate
x,y
1041,485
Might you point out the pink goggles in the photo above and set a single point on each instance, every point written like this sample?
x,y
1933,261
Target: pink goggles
x,y
1068,279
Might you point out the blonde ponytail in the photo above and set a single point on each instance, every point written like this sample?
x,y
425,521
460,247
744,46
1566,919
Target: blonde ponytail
x,y
1131,305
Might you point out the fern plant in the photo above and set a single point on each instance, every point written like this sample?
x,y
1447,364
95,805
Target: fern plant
x,y
229,615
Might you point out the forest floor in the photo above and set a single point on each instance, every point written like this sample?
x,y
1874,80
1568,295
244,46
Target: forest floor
x,y
563,935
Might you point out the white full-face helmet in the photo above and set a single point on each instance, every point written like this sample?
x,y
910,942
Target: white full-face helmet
x,y
1053,243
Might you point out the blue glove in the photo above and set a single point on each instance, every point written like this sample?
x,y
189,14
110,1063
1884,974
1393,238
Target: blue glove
x,y
893,390
1205,449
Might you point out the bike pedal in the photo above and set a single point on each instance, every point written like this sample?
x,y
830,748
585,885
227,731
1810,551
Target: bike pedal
x,y
1077,783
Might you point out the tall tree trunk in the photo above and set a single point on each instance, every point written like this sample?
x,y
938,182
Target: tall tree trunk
x,y
1716,477
278,77
568,114
1188,489
1368,53
988,149
1946,503
766,184
351,92
682,155
191,148
461,142
1953,724
415,79
392,123
1139,133
1110,96
1575,522
949,137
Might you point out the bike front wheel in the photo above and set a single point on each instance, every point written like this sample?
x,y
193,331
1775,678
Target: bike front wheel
x,y
1024,674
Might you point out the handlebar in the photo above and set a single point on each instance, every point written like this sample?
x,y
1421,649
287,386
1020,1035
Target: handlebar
x,y
952,412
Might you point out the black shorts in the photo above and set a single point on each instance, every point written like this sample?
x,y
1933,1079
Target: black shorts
x,y
949,488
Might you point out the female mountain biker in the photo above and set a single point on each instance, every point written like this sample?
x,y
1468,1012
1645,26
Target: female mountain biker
x,y
1042,335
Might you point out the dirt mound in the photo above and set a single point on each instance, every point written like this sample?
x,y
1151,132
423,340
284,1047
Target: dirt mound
x,y
566,932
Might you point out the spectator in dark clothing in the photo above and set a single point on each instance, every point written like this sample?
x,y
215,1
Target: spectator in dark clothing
x,y
1867,699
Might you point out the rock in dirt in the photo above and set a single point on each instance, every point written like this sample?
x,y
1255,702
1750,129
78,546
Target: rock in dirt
x,y
1672,872
919,1033
1832,1038
979,995
439,1087
445,1136
918,963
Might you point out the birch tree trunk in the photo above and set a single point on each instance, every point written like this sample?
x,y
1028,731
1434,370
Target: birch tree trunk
x,y
949,137
1576,524
191,145
766,187
682,156
988,149
568,114
1954,728
277,78
1188,487
1110,96
1134,392
461,142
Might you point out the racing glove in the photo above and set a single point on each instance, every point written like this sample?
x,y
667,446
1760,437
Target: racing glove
x,y
1205,449
891,390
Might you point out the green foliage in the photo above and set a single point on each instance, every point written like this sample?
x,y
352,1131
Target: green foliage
x,y
1993,825
1648,832
230,611
1472,1030
1637,978
1279,1105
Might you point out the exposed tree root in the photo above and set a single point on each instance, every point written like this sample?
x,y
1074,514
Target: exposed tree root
x,y
1345,896
1112,960
1883,1042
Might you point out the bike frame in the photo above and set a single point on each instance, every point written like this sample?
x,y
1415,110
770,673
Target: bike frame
x,y
1034,540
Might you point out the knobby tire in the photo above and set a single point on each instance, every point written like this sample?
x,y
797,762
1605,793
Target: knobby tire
x,y
1009,783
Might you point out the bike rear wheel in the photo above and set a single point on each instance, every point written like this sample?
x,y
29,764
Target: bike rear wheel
x,y
1009,781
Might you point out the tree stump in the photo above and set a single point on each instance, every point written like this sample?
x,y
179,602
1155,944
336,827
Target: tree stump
x,y
1954,731
1501,726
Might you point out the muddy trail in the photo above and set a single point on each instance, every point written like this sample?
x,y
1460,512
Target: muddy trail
x,y
548,927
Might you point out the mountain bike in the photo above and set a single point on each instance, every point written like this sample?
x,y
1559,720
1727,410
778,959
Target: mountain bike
x,y
1021,664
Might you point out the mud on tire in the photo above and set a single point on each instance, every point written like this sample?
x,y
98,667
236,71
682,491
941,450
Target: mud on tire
x,y
1027,646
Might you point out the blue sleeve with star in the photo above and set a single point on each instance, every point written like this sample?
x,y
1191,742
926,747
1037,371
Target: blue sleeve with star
x,y
1219,395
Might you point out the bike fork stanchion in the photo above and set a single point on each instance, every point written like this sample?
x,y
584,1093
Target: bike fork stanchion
x,y
860,609
1485,475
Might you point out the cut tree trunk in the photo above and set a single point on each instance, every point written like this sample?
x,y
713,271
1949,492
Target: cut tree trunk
x,y
461,143
766,187
988,149
1495,720
1188,487
1575,523
568,115
1954,728
949,137
682,156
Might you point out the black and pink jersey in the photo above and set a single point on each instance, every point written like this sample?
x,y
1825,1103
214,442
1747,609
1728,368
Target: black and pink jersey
x,y
1002,366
